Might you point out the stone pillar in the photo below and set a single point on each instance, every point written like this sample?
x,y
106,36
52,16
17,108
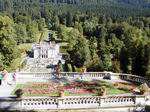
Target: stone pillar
x,y
140,100
102,101
60,103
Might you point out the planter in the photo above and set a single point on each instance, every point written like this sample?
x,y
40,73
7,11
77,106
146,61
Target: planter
x,y
61,94
102,91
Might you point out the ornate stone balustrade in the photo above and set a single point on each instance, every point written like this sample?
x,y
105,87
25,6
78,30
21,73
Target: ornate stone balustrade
x,y
74,102
29,75
40,103
119,100
90,75
87,75
134,78
84,75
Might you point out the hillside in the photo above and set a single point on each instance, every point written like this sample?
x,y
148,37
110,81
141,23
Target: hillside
x,y
145,3
113,8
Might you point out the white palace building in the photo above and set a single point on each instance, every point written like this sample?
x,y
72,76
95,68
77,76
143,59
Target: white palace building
x,y
44,51
47,52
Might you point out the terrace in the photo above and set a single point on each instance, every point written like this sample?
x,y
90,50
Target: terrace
x,y
42,90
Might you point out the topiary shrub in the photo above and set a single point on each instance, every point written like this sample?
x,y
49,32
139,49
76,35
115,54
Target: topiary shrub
x,y
19,93
101,91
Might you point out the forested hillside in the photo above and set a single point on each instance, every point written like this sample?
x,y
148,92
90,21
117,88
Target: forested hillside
x,y
113,2
114,8
112,35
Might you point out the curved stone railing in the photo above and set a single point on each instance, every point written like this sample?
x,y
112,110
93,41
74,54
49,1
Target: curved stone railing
x,y
134,78
87,75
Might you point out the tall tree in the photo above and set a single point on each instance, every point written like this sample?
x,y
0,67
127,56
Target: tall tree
x,y
8,44
80,53
125,60
104,55
69,19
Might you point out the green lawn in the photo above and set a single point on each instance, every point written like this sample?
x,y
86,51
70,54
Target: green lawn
x,y
44,35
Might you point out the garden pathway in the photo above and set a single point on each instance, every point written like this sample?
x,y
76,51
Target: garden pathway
x,y
5,90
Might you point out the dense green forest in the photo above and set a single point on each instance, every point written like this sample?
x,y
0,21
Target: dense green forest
x,y
112,35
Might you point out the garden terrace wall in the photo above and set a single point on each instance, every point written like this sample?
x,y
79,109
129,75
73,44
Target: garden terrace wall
x,y
84,75
73,102
89,75
31,75
134,78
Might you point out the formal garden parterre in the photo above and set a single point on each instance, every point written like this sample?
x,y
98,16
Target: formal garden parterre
x,y
76,88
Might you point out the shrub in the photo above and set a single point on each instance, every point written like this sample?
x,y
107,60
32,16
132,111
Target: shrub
x,y
115,84
124,89
101,91
147,108
19,93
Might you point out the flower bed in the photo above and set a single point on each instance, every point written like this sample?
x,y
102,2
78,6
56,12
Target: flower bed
x,y
74,88
129,87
